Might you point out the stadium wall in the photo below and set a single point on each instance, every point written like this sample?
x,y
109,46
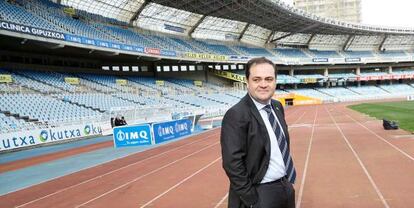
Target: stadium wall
x,y
218,80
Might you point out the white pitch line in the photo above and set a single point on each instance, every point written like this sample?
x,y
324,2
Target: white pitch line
x,y
361,163
300,117
409,137
113,171
147,174
382,138
300,125
181,182
302,184
291,113
221,201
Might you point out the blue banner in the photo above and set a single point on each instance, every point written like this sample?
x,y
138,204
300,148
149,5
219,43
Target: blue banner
x,y
114,45
352,59
230,36
25,138
320,59
139,49
127,47
102,43
73,38
235,57
168,53
31,30
80,39
174,28
171,130
88,41
125,136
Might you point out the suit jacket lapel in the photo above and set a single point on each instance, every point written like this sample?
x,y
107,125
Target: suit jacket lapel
x,y
263,131
278,113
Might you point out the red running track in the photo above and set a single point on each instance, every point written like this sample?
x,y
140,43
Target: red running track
x,y
343,159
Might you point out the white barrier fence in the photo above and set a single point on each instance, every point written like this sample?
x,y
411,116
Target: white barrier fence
x,y
21,139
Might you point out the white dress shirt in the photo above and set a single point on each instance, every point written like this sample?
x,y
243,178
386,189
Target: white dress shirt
x,y
276,169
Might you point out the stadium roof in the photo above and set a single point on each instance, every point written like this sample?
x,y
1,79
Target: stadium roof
x,y
260,19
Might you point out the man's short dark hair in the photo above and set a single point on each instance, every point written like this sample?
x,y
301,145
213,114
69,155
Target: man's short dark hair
x,y
260,60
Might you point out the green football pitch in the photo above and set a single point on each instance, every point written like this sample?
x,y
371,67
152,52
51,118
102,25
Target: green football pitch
x,y
402,112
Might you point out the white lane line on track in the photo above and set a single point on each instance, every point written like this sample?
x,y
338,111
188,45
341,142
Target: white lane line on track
x,y
147,174
302,184
382,138
221,201
290,114
113,171
300,125
384,202
299,117
181,182
409,137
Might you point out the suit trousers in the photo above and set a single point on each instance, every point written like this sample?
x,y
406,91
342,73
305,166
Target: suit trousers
x,y
280,194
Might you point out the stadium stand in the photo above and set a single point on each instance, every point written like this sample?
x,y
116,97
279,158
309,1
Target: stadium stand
x,y
398,89
341,94
52,101
253,51
28,83
287,79
51,78
325,54
392,54
222,49
358,54
313,93
41,108
50,16
370,92
17,14
42,98
291,53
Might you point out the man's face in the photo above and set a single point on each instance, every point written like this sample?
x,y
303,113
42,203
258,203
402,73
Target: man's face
x,y
261,84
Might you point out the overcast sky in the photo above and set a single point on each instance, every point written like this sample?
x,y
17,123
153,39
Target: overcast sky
x,y
394,13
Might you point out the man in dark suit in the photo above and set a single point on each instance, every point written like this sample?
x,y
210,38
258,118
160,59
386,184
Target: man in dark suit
x,y
255,144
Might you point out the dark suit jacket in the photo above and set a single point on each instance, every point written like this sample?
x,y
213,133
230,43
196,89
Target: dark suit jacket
x,y
245,146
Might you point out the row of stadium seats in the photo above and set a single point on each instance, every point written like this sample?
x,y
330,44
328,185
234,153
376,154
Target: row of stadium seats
x,y
10,123
48,82
17,14
42,108
54,82
44,98
353,93
50,16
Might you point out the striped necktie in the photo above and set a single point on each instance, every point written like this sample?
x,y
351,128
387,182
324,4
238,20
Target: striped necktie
x,y
281,140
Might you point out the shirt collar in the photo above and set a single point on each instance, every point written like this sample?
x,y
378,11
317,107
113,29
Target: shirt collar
x,y
258,105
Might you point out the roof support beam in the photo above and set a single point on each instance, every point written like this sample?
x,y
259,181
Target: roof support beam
x,y
345,46
380,47
270,36
310,39
243,31
136,15
298,31
192,29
